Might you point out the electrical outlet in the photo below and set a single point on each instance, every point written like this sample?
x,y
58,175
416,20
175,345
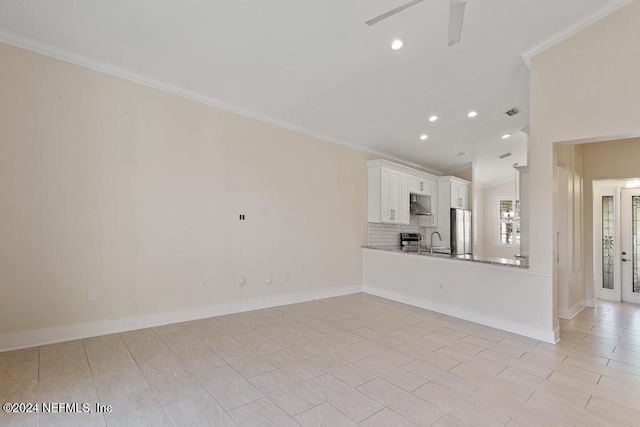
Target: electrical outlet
x,y
242,280
268,279
92,294
203,285
285,277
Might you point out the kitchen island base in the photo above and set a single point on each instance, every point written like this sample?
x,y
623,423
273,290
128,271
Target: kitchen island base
x,y
511,299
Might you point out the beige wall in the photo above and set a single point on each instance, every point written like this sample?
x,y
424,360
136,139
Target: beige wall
x,y
112,185
586,87
487,222
464,174
604,160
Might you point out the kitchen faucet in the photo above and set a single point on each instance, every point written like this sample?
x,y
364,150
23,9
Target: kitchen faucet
x,y
431,245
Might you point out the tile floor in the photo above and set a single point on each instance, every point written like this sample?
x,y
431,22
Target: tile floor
x,y
342,361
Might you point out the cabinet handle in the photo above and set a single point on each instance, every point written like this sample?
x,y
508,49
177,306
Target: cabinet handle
x,y
459,202
393,214
421,186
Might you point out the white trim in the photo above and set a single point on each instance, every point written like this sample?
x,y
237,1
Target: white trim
x,y
575,28
422,172
454,179
572,312
87,61
505,325
591,303
33,338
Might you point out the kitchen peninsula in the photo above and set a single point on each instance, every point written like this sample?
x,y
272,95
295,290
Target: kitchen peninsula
x,y
423,251
507,297
497,292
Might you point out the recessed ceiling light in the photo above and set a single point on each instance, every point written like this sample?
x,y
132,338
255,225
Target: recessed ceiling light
x,y
472,114
397,44
462,153
433,118
505,136
424,137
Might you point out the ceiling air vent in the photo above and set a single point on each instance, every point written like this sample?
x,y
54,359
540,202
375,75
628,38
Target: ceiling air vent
x,y
513,111
505,155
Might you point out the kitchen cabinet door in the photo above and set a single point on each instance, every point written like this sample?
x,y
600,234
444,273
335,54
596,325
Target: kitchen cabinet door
x,y
405,212
432,191
459,195
390,195
418,185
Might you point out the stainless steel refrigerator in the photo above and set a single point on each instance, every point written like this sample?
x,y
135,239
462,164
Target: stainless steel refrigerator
x,y
460,231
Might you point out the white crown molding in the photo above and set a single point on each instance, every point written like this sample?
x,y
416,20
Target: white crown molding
x,y
578,26
86,61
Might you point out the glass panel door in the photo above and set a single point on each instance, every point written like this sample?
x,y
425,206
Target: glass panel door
x,y
608,232
630,256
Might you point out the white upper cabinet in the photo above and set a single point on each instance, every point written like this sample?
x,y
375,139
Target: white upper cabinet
x,y
389,188
459,195
404,199
456,190
419,185
386,196
390,195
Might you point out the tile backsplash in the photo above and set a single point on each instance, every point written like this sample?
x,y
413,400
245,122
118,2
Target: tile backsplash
x,y
389,234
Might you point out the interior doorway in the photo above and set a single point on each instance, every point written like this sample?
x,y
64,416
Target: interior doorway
x,y
616,230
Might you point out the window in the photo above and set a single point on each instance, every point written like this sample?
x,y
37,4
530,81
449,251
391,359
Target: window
x,y
509,221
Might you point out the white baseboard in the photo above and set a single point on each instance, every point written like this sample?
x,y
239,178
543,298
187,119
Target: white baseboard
x,y
38,337
591,303
570,313
505,325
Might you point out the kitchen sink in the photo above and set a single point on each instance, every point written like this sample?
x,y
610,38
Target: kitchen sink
x,y
427,249
441,250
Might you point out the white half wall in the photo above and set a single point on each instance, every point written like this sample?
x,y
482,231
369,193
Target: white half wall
x,y
512,299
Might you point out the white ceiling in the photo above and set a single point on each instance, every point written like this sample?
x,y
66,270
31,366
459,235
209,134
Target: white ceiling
x,y
315,66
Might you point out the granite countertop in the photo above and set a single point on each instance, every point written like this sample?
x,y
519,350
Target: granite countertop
x,y
505,262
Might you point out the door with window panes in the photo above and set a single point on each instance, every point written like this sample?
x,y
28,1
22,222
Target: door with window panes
x,y
509,221
630,245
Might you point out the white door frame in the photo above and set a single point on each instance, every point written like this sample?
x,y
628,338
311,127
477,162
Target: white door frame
x,y
608,187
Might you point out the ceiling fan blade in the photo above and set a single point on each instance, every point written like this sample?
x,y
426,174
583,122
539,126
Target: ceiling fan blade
x,y
392,12
456,16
